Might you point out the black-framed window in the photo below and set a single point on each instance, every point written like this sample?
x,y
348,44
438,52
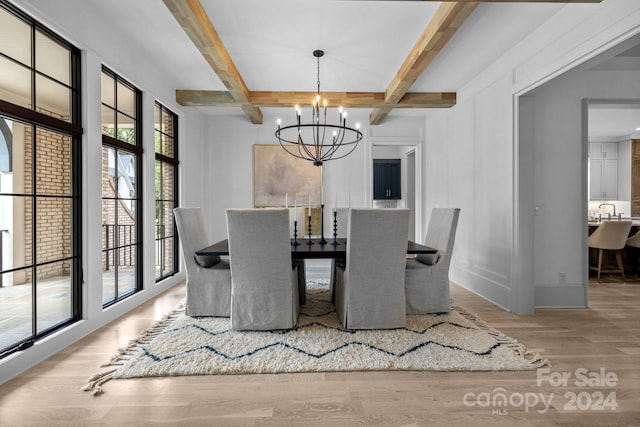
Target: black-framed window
x,y
166,191
121,188
40,181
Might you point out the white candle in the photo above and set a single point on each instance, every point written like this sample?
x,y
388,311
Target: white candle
x,y
286,200
335,205
322,195
309,204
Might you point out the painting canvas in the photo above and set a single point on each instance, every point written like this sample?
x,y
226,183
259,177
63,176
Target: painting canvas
x,y
280,178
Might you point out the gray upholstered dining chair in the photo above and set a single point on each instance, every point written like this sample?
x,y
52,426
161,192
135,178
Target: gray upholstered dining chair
x,y
610,236
264,281
208,278
369,288
427,276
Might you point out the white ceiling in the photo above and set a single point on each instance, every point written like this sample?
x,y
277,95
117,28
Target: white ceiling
x,y
614,121
271,42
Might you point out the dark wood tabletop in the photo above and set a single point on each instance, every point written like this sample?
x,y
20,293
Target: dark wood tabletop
x,y
314,251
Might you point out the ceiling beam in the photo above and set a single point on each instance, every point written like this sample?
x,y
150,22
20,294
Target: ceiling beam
x,y
194,21
205,98
444,24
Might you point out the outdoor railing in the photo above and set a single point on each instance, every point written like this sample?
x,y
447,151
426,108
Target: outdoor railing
x,y
120,242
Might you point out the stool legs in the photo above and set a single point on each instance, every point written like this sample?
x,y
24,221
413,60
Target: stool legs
x,y
620,266
600,252
618,260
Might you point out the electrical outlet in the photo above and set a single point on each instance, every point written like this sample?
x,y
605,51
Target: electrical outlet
x,y
562,277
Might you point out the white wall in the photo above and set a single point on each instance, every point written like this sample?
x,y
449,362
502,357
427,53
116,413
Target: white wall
x,y
479,158
107,48
229,156
559,152
468,165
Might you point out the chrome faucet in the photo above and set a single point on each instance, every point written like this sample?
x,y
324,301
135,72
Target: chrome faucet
x,y
609,204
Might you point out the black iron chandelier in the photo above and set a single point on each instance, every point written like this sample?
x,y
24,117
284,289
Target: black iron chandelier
x,y
307,140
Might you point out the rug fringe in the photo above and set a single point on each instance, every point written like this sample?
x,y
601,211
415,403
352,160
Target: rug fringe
x,y
94,384
95,381
534,359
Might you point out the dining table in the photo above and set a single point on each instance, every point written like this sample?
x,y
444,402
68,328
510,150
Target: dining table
x,y
302,249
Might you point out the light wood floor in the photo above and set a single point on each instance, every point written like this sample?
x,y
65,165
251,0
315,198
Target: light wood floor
x,y
605,336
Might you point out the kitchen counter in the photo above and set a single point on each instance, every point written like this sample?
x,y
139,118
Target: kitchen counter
x,y
634,221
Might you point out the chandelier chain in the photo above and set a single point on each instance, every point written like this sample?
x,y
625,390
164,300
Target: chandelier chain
x,y
318,58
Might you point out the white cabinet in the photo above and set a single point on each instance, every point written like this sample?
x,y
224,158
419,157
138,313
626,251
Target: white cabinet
x,y
603,162
604,179
603,150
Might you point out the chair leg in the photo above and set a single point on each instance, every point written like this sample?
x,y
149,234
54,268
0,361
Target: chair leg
x,y
600,251
620,266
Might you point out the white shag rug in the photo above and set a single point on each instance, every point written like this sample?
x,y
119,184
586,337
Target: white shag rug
x,y
182,345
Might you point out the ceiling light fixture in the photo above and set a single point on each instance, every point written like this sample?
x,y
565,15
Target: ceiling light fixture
x,y
307,140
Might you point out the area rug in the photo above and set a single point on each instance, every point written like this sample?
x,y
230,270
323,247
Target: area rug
x,y
183,345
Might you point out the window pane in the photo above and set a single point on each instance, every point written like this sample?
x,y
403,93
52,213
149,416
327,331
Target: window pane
x,y
15,144
157,114
167,123
16,322
53,228
15,219
15,37
53,163
167,218
108,276
108,229
168,180
127,271
164,256
126,184
108,92
53,59
108,172
15,83
126,130
53,293
167,143
53,99
158,141
126,100
108,121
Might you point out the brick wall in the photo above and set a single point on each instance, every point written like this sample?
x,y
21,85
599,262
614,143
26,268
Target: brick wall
x,y
53,214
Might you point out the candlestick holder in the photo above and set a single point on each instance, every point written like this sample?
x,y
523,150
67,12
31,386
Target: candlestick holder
x,y
295,233
322,241
309,242
335,228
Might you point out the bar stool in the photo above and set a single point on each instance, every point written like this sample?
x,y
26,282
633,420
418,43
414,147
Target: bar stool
x,y
610,236
633,242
